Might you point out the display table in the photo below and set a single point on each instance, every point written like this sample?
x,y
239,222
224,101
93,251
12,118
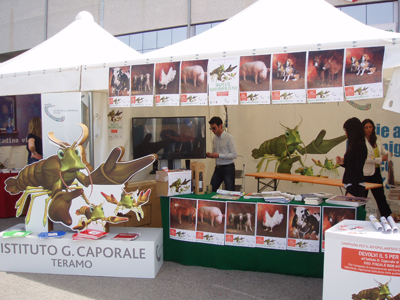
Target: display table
x,y
273,183
241,258
358,258
141,258
7,201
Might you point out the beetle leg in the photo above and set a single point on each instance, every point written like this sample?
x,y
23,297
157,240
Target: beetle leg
x,y
28,215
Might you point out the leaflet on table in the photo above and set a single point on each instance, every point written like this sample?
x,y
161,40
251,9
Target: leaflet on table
x,y
126,236
53,234
240,225
331,215
211,222
304,228
16,233
271,228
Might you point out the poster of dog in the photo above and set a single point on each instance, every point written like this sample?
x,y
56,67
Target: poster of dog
x,y
289,78
363,73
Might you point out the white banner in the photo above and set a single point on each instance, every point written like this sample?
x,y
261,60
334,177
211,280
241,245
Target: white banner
x,y
60,114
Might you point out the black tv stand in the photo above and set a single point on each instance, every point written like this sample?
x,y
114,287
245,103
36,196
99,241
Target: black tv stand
x,y
187,164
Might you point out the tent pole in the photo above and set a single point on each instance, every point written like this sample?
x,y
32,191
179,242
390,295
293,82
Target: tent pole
x,y
91,131
189,17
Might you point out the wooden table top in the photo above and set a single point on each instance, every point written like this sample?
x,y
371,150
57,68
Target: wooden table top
x,y
308,179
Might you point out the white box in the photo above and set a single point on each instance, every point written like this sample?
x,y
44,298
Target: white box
x,y
140,258
357,257
174,182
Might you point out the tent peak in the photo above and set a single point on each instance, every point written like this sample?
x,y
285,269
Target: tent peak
x,y
84,15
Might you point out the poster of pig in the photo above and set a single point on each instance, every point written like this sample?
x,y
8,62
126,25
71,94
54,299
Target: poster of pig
x,y
240,224
194,83
325,76
288,78
211,222
271,226
142,83
167,83
363,73
333,215
254,79
223,80
182,219
304,227
119,86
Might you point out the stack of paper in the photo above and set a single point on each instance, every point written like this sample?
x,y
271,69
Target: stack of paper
x,y
16,233
347,201
89,234
128,236
311,199
53,234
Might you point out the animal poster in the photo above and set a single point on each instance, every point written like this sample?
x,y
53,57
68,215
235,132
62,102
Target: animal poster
x,y
142,85
119,86
255,79
364,73
325,76
115,128
182,219
223,80
240,224
194,83
271,226
211,222
167,83
331,215
289,78
304,225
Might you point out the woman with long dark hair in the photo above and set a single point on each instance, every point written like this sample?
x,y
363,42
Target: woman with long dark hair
x,y
372,173
35,148
354,158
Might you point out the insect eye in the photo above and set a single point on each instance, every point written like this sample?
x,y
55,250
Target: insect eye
x,y
297,132
78,151
60,153
91,209
287,133
102,208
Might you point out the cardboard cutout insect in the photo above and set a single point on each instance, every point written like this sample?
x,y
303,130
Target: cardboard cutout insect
x,y
328,165
95,213
285,147
59,177
131,201
378,293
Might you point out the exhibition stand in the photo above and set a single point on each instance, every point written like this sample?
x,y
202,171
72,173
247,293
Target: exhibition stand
x,y
361,262
7,201
141,258
309,264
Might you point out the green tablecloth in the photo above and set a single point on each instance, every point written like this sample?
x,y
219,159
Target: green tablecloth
x,y
309,264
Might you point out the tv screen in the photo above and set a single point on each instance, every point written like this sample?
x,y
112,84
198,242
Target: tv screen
x,y
169,137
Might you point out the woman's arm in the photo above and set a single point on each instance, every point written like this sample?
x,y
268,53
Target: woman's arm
x,y
32,148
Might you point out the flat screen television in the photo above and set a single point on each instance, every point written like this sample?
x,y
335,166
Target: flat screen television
x,y
169,137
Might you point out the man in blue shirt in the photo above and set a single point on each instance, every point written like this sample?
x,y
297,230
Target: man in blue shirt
x,y
224,152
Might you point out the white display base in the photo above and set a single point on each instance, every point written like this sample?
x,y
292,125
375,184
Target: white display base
x,y
141,258
356,259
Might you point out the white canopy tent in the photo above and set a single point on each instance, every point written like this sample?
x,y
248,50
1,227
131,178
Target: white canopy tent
x,y
270,26
56,64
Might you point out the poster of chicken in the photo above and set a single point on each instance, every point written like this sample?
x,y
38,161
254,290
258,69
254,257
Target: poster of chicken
x,y
271,226
303,227
167,83
325,76
194,82
142,83
182,219
240,224
288,78
363,73
254,79
211,222
119,87
333,215
223,80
